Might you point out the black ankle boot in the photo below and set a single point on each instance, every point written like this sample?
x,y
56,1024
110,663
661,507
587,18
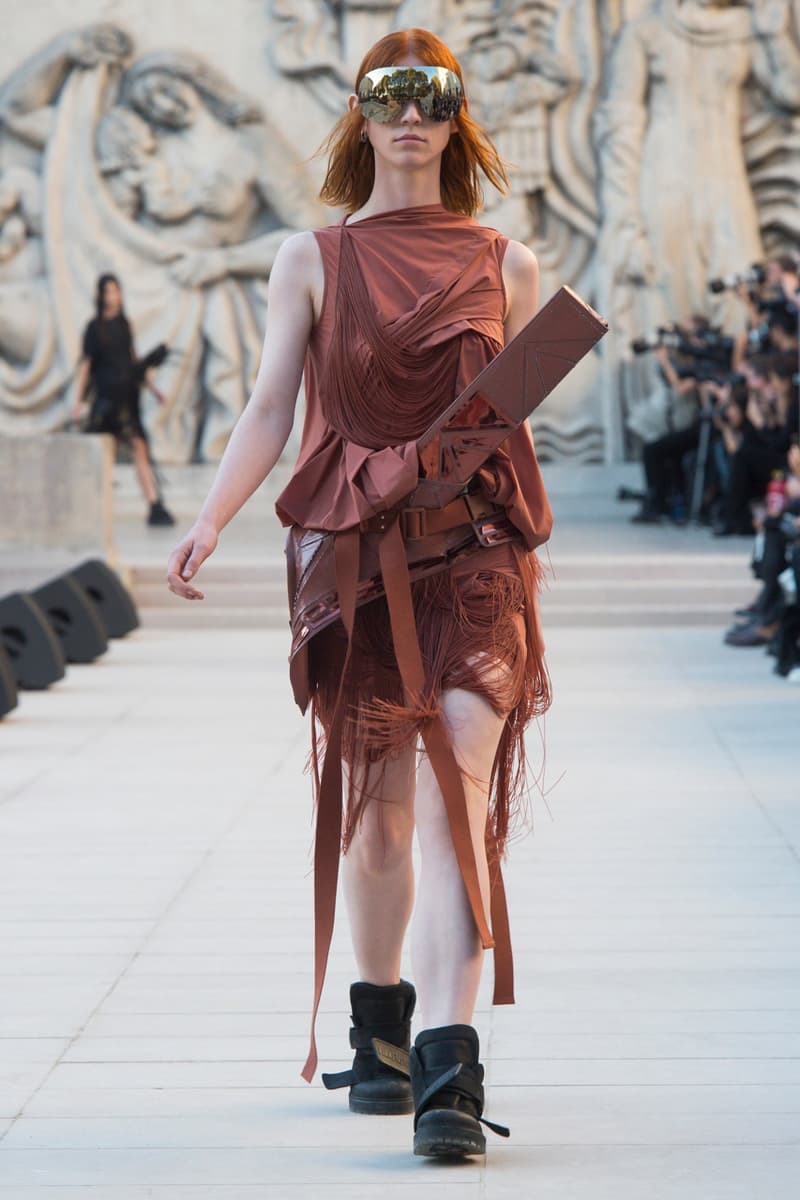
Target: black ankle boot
x,y
379,1085
447,1083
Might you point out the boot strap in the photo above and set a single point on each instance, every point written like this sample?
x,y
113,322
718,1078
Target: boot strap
x,y
393,1056
338,1079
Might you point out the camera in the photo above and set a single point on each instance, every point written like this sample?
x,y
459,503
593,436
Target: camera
x,y
756,276
663,336
709,349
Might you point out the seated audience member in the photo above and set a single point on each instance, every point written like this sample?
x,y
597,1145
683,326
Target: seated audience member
x,y
777,546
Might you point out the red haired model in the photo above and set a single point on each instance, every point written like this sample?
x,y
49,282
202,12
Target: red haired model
x,y
390,313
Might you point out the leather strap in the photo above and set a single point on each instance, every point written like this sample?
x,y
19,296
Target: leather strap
x,y
328,836
422,522
327,845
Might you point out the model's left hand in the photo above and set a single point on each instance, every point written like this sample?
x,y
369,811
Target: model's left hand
x,y
196,268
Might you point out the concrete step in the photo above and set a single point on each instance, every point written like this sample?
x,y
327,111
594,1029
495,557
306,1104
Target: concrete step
x,y
564,567
638,590
200,615
578,592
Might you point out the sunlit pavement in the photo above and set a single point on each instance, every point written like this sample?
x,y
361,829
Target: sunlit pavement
x,y
155,834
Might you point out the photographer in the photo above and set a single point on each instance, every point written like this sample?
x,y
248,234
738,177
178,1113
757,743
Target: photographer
x,y
770,296
761,444
704,354
783,272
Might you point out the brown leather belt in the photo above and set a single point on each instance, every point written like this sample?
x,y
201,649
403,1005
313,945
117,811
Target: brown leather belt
x,y
489,523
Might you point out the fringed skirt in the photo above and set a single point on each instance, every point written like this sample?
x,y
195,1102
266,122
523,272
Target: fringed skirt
x,y
478,629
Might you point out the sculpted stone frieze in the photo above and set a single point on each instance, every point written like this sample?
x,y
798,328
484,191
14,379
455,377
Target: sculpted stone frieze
x,y
655,144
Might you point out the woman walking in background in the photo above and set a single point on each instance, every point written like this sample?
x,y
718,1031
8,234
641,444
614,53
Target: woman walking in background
x,y
392,311
109,364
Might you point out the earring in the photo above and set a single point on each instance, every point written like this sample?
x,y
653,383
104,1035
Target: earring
x,y
363,134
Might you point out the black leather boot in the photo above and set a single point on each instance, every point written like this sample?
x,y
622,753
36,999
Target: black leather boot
x,y
447,1083
379,1085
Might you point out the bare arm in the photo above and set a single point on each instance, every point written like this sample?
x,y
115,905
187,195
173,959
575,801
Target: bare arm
x,y
263,429
521,279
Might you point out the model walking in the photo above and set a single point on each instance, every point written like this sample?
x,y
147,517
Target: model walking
x,y
109,364
391,312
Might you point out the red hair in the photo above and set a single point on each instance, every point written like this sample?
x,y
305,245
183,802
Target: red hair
x,y
470,151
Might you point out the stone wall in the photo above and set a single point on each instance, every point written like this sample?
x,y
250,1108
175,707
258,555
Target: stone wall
x,y
57,492
655,144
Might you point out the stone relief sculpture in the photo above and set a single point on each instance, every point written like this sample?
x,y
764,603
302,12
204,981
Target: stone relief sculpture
x,y
165,173
655,143
677,206
533,66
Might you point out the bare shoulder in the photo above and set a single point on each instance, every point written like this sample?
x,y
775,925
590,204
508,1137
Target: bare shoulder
x,y
521,279
298,270
520,264
298,254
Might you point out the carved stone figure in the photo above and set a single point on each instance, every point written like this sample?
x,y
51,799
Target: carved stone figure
x,y
33,369
200,192
677,207
531,65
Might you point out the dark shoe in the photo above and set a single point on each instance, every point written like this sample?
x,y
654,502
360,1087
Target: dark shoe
x,y
447,1081
159,515
753,634
377,1085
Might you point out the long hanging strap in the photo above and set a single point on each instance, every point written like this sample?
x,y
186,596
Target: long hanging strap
x,y
503,956
328,837
397,583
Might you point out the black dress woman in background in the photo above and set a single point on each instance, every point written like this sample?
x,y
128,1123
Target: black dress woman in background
x,y
109,364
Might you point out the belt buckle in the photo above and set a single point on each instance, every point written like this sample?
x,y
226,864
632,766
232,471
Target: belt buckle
x,y
413,522
490,533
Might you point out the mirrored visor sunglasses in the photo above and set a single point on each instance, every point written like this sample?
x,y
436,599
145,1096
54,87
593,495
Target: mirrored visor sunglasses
x,y
384,93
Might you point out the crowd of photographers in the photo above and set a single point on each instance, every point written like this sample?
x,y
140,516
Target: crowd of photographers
x,y
723,449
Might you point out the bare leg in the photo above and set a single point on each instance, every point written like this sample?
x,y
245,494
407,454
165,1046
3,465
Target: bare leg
x,y
378,874
446,950
144,472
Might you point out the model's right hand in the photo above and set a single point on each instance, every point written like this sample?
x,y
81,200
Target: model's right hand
x,y
185,560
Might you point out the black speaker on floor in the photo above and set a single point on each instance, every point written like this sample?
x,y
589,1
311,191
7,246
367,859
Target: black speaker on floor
x,y
112,602
33,649
73,618
8,684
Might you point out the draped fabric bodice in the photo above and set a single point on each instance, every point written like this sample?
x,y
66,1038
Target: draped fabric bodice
x,y
412,311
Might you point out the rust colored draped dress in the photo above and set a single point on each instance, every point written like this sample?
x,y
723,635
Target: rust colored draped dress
x,y
412,311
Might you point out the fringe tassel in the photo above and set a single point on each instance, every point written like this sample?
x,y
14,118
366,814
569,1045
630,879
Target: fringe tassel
x,y
478,630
